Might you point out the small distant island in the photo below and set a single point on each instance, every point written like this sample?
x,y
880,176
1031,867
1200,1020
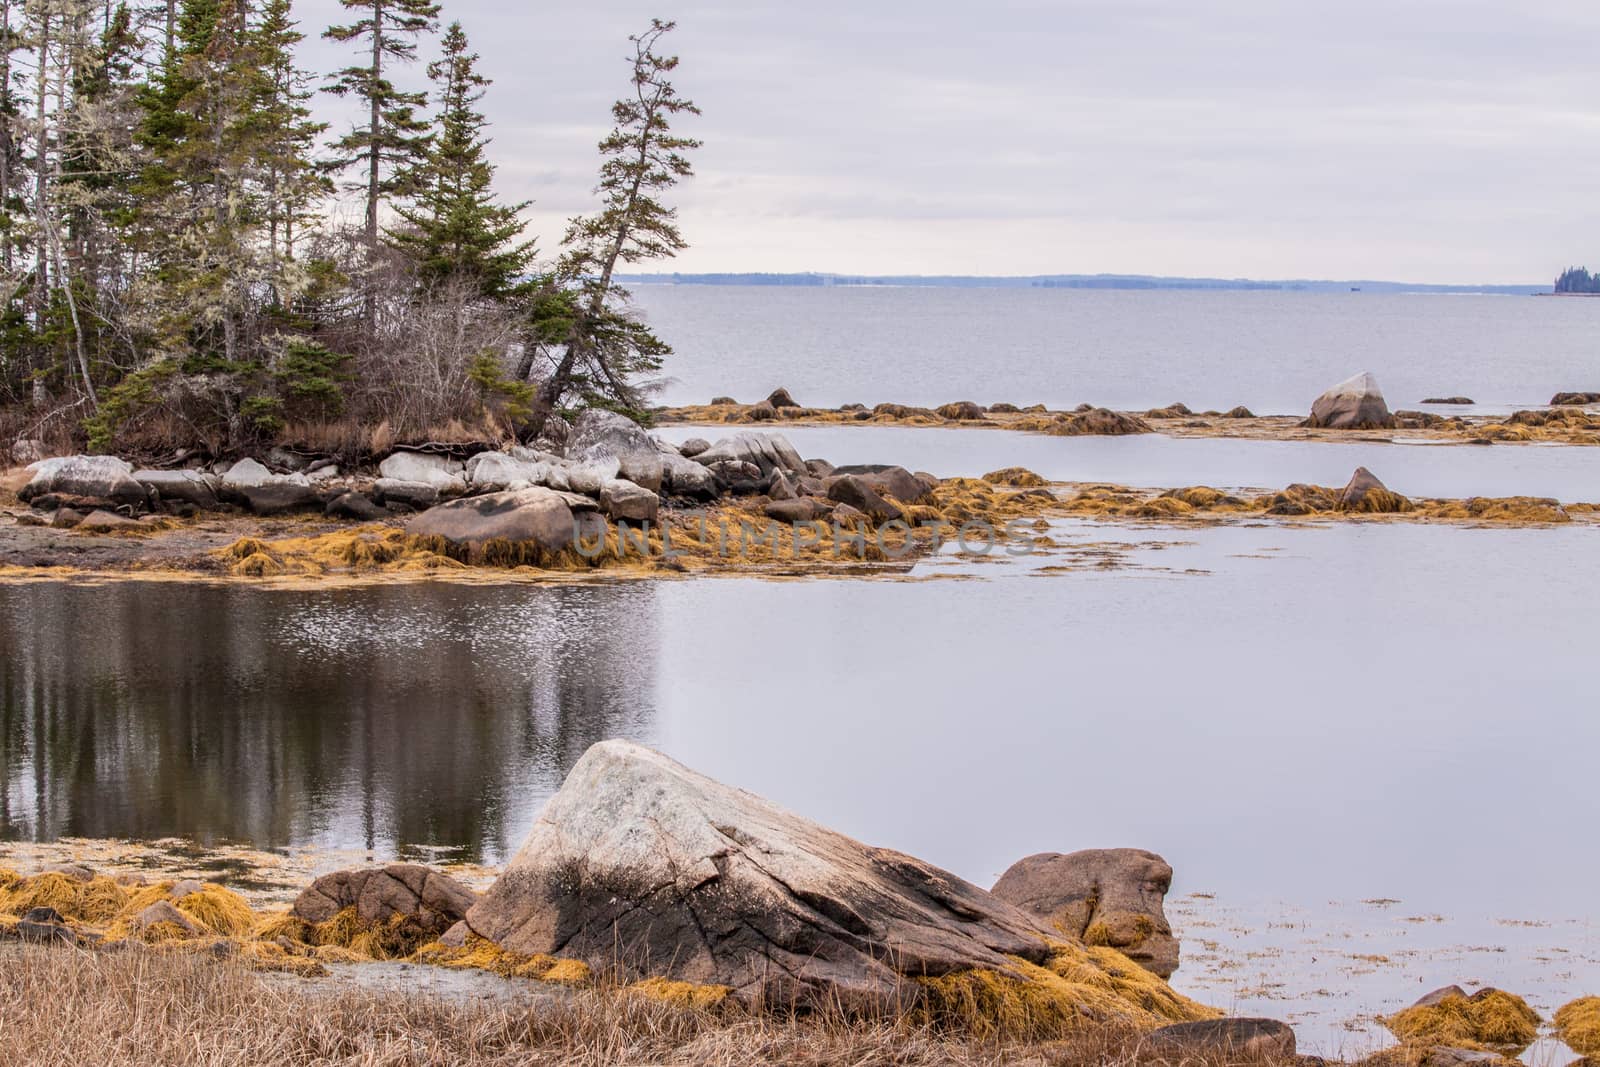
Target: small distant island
x,y
1577,281
1069,281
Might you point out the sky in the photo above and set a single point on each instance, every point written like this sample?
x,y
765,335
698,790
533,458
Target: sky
x,y
1413,140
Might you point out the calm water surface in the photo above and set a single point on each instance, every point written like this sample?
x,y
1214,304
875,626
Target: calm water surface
x,y
1272,351
1316,716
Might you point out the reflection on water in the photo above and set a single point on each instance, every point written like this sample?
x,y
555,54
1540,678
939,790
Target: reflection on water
x,y
379,718
1301,719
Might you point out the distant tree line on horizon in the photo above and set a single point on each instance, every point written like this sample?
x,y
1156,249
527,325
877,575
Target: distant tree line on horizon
x,y
174,271
1577,280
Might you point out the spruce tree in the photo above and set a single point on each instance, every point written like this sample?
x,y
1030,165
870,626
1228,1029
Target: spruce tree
x,y
292,183
582,312
393,138
455,229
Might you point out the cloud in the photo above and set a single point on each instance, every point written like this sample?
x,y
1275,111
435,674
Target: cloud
x,y
1412,138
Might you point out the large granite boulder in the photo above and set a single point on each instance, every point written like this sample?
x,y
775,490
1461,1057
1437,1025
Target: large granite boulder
x,y
767,451
104,478
426,899
1104,896
599,435
189,487
641,865
497,471
685,478
424,468
1355,404
536,515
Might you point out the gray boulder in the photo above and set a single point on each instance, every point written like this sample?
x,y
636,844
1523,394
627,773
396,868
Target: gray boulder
x,y
1105,896
535,515
193,487
26,450
639,864
424,468
693,447
629,502
411,494
97,477
246,473
767,451
800,509
496,471
1355,404
685,478
736,477
604,435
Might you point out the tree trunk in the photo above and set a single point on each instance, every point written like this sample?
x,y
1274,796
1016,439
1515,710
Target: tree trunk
x,y
374,168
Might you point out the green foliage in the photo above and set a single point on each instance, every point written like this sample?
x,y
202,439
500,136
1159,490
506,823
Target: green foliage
x,y
312,379
130,398
456,230
511,398
263,415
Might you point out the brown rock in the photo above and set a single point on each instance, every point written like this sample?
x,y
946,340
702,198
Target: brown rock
x,y
640,865
962,410
801,509
1574,399
1101,896
1254,1040
891,481
1365,493
1099,421
532,515
780,398
162,911
427,899
856,491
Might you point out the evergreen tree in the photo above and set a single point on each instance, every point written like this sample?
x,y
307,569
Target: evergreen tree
x,y
393,138
455,227
604,349
292,182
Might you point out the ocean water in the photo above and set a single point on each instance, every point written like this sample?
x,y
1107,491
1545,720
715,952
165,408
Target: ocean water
x,y
1271,351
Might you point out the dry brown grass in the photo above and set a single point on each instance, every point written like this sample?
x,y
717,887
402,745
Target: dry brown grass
x,y
148,1006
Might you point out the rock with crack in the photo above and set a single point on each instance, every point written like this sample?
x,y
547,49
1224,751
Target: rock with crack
x,y
534,515
604,435
766,451
425,898
641,865
1102,896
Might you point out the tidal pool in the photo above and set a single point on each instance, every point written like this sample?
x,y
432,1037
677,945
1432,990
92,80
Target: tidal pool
x,y
1301,719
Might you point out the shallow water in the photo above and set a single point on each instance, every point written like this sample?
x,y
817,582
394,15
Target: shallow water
x,y
1317,716
1567,472
1272,351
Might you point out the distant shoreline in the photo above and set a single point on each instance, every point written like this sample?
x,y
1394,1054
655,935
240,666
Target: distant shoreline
x,y
1073,281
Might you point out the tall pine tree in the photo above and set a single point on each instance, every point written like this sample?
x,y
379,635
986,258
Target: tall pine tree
x,y
292,183
455,229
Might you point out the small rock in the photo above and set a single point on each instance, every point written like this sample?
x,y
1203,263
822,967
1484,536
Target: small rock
x,y
354,506
1365,493
723,401
762,412
417,495
693,447
26,451
889,480
162,911
76,871
780,398
66,519
1448,400
441,472
101,521
1574,399
799,509
1240,412
779,487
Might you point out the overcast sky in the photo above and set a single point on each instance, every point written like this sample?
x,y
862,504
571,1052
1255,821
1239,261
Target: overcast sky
x,y
1415,140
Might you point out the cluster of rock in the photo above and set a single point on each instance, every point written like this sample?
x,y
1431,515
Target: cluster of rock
x,y
607,468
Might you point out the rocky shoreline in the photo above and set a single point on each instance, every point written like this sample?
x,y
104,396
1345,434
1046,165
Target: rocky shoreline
x,y
1354,410
644,879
